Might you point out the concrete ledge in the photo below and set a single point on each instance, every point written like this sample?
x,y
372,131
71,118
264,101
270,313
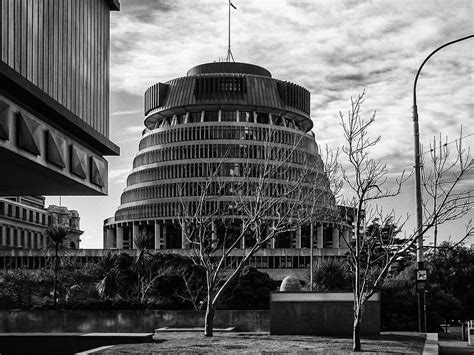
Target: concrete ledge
x,y
317,297
65,343
200,330
431,344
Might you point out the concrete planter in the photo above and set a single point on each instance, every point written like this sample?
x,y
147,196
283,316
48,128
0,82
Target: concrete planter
x,y
320,313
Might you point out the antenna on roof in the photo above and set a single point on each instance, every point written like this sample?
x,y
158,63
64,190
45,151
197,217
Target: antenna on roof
x,y
230,56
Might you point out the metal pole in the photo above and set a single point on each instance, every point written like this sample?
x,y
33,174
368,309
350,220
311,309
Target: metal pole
x,y
419,207
228,48
311,235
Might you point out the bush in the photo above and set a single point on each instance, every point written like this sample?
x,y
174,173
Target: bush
x,y
251,290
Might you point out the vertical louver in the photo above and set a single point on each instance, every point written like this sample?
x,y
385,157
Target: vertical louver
x,y
154,96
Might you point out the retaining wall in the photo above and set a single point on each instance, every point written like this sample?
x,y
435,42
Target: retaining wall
x,y
320,313
126,321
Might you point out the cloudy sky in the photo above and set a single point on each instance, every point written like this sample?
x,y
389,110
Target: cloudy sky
x,y
335,49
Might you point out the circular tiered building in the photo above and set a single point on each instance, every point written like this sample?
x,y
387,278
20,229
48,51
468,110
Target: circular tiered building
x,y
218,115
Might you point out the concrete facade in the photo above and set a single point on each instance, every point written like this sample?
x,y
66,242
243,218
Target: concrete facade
x,y
54,97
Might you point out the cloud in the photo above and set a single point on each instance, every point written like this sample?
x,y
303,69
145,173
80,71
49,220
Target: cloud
x,y
335,49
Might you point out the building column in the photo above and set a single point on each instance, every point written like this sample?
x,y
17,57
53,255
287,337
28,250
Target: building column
x,y
346,235
273,240
164,234
4,235
109,236
157,235
26,242
320,236
135,229
184,240
213,234
119,236
242,241
298,238
335,237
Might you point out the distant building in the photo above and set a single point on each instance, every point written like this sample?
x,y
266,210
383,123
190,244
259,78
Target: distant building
x,y
54,97
24,220
220,110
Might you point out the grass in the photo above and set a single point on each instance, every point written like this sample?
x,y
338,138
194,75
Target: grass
x,y
264,343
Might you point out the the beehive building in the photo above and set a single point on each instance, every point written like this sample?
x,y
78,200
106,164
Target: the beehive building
x,y
217,110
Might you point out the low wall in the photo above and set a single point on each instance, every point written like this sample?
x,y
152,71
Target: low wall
x,y
125,321
320,313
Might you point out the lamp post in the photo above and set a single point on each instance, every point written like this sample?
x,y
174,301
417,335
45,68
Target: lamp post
x,y
419,207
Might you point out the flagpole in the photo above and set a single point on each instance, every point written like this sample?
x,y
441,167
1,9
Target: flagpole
x,y
228,48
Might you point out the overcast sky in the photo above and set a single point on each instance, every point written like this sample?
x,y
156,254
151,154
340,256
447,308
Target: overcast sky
x,y
335,49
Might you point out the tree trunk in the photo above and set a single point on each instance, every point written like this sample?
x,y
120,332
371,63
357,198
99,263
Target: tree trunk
x,y
356,332
209,320
55,292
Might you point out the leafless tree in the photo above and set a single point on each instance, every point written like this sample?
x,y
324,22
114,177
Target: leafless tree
x,y
373,251
265,198
449,194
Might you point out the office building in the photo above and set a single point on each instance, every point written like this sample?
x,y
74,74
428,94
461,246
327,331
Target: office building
x,y
54,97
219,113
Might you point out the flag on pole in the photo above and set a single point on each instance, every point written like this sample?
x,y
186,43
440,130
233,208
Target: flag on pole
x,y
232,5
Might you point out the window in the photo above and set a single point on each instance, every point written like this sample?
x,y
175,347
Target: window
x,y
262,118
228,116
211,116
194,117
246,116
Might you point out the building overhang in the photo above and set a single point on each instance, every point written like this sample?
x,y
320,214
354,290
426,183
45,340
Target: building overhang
x,y
14,86
38,158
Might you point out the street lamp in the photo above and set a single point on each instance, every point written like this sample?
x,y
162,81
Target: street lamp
x,y
419,208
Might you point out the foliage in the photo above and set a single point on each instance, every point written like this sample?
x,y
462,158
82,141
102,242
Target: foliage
x,y
451,275
113,280
251,290
57,234
449,291
331,275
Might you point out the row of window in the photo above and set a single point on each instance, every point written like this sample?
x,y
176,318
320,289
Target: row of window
x,y
261,262
229,116
191,170
225,151
13,237
214,189
174,209
14,211
196,133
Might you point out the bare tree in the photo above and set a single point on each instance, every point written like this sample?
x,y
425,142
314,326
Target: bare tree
x,y
373,252
448,196
267,197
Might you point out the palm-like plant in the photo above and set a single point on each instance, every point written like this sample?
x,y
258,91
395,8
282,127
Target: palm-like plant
x,y
57,235
143,242
331,275
112,277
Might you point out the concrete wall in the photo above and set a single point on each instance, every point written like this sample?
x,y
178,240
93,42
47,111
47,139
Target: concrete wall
x,y
325,313
125,321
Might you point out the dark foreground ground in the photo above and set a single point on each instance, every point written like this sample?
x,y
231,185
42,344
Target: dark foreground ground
x,y
263,343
